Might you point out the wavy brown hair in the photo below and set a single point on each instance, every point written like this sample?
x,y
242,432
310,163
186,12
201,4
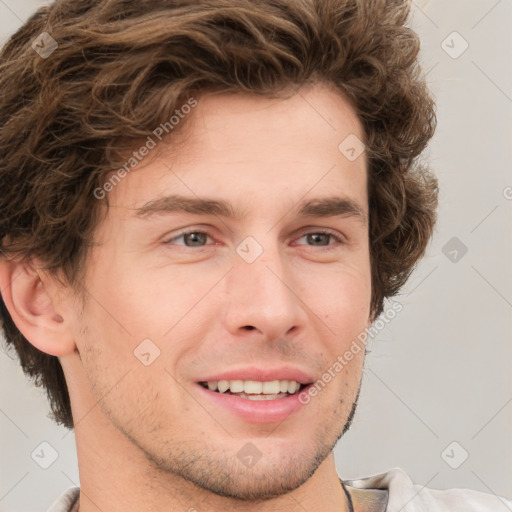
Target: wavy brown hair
x,y
122,67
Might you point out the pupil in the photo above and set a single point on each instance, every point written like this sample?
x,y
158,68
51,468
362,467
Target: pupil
x,y
197,238
314,237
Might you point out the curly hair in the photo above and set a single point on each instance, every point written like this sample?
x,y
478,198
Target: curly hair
x,y
123,66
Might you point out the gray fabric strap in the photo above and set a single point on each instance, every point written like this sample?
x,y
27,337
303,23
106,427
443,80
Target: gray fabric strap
x,y
368,500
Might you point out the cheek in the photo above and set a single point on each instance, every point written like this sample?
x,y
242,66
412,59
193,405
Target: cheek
x,y
120,377
345,304
341,298
134,302
193,296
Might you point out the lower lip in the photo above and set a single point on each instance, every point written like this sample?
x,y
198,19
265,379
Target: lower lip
x,y
256,411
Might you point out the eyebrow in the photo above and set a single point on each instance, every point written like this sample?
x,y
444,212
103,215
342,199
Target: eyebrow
x,y
322,207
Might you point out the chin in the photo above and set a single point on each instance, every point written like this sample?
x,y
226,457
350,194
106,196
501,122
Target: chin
x,y
263,481
243,473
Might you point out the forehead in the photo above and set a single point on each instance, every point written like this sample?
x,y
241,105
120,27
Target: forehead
x,y
245,122
257,148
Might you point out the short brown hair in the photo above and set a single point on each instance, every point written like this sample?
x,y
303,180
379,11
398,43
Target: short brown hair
x,y
122,67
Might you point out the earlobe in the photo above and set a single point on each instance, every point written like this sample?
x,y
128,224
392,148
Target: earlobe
x,y
32,304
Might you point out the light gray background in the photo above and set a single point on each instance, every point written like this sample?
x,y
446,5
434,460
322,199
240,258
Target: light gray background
x,y
440,371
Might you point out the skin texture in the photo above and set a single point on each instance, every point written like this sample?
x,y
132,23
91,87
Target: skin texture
x,y
147,438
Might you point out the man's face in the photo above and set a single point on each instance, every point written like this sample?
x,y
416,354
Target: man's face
x,y
262,297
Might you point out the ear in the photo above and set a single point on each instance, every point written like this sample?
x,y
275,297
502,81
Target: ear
x,y
30,296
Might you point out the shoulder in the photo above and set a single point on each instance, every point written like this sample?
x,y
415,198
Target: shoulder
x,y
66,501
404,495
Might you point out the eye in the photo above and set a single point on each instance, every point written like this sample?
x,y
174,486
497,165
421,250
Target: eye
x,y
190,238
322,238
196,238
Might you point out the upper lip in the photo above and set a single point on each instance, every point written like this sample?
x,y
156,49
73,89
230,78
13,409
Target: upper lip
x,y
262,374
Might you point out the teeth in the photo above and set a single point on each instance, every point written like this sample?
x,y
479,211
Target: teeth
x,y
293,386
223,385
236,386
271,388
263,397
252,387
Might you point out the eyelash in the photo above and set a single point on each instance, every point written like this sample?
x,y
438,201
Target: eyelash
x,y
316,232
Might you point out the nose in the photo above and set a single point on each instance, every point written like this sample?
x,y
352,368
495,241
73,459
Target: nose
x,y
264,296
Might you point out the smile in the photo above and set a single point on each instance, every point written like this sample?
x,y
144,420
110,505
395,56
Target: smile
x,y
255,390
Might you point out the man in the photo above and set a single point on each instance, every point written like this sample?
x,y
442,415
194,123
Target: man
x,y
204,206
